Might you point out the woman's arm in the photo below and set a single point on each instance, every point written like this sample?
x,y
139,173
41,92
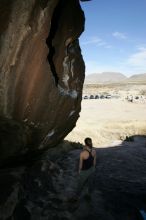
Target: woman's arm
x,y
80,163
94,162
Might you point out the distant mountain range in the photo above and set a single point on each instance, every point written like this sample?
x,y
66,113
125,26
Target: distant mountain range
x,y
113,77
138,77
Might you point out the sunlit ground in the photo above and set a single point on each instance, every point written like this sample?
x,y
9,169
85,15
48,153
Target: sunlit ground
x,y
108,120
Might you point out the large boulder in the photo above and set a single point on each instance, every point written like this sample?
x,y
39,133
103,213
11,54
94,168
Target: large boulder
x,y
41,73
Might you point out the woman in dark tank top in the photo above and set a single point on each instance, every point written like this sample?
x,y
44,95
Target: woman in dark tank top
x,y
87,156
88,163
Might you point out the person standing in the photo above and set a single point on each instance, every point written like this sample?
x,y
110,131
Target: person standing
x,y
87,162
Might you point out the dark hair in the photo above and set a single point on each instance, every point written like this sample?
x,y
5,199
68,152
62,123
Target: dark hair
x,y
88,142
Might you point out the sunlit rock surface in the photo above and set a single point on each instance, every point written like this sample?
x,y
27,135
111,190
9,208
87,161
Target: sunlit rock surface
x,y
41,73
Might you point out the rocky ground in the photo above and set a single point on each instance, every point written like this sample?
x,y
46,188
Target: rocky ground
x,y
45,189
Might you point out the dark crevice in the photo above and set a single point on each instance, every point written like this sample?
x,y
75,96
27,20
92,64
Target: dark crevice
x,y
53,30
43,3
5,14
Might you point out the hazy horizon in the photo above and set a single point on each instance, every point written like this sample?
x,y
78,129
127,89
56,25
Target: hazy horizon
x,y
87,74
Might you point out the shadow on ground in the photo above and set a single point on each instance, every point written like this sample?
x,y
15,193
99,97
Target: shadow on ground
x,y
46,188
120,179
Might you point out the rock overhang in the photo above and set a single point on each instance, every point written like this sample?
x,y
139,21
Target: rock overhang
x,y
41,73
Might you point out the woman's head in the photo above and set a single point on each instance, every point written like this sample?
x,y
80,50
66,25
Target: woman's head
x,y
88,142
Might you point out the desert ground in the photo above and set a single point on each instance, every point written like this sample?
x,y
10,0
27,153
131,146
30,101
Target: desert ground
x,y
109,121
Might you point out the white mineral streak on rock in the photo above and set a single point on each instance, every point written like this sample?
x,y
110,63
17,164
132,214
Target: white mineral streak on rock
x,y
65,80
71,113
72,93
68,41
65,77
25,120
65,65
50,134
68,66
72,67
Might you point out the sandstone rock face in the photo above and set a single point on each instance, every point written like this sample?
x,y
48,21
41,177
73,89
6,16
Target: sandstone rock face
x,y
41,73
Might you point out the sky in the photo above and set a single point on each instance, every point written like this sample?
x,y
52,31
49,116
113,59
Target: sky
x,y
114,39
